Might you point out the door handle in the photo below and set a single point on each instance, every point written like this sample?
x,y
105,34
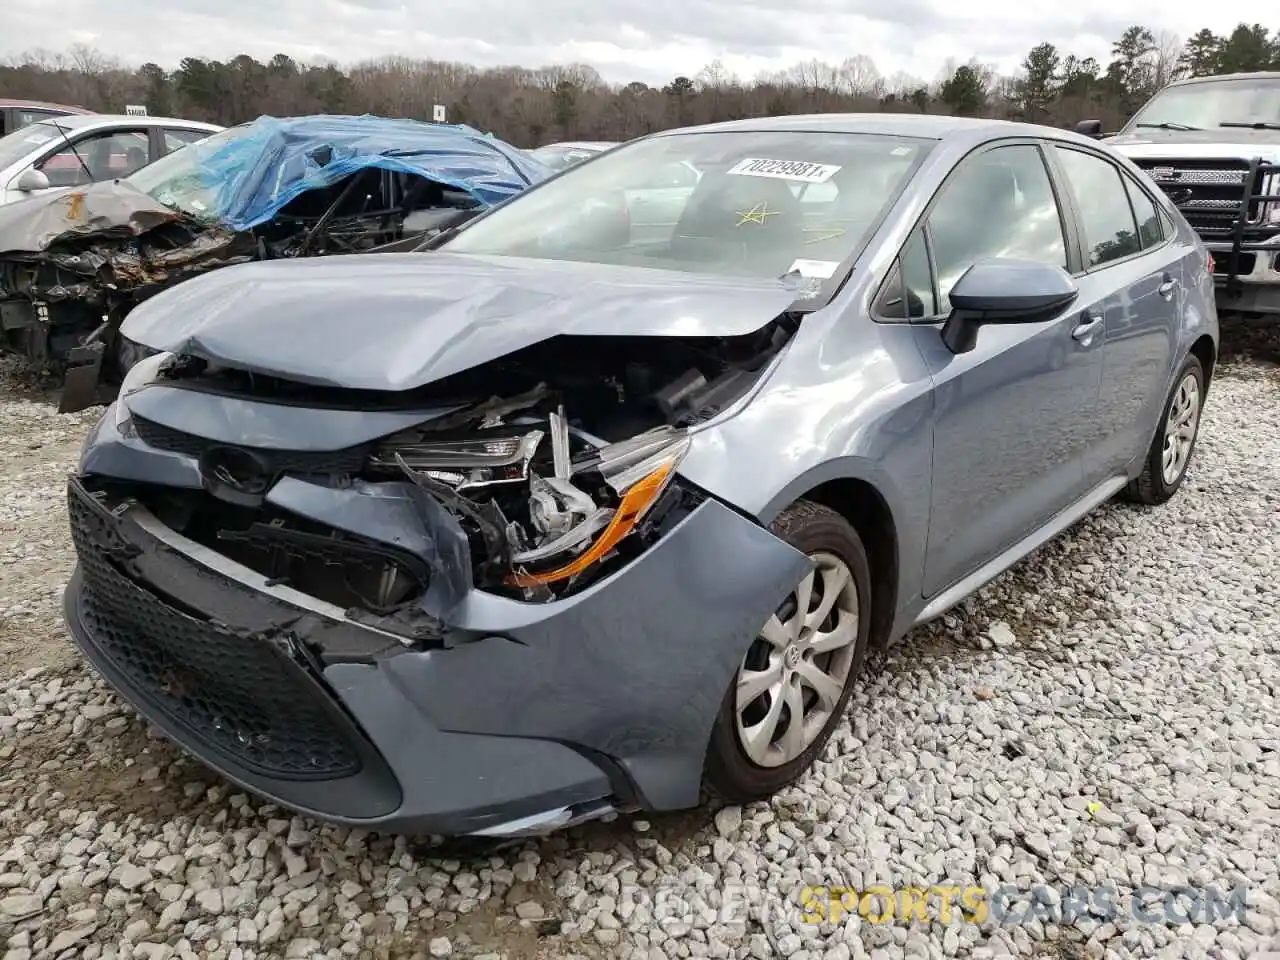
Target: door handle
x,y
1168,286
1087,327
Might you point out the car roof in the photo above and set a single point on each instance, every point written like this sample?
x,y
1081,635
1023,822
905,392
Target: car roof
x,y
920,125
579,145
956,129
10,103
83,121
1254,75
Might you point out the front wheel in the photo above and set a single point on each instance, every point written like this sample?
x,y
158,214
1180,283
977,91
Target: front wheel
x,y
1170,452
791,688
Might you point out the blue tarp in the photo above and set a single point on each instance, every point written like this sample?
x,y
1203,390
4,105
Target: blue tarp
x,y
255,169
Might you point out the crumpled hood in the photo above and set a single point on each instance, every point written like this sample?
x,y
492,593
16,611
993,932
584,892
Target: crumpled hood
x,y
111,208
396,321
1228,142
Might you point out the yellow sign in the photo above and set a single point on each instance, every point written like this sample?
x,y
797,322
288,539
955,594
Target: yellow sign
x,y
884,904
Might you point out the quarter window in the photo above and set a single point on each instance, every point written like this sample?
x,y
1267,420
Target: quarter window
x,y
997,204
1109,229
908,290
1150,225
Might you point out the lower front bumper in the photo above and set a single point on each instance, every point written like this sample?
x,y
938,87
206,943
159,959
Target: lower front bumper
x,y
534,714
218,672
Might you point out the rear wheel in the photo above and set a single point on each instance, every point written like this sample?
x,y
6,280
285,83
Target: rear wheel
x,y
1175,440
793,684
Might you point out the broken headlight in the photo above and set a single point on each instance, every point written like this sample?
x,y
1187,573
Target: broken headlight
x,y
637,471
501,456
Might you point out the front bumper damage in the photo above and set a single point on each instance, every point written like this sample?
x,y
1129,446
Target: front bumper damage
x,y
478,715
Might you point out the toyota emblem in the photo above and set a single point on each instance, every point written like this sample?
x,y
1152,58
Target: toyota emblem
x,y
236,468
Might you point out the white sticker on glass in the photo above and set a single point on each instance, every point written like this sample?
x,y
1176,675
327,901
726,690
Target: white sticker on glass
x,y
820,269
797,170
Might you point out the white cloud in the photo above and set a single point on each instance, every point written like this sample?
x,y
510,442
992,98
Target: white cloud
x,y
649,40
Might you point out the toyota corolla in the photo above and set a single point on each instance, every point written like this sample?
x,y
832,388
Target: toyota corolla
x,y
553,519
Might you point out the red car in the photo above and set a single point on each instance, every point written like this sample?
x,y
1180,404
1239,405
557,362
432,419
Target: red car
x,y
16,114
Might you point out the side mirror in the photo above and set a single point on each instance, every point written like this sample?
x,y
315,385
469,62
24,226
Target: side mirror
x,y
1089,128
1004,291
32,180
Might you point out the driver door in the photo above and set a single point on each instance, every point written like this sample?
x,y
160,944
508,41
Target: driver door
x,y
1014,417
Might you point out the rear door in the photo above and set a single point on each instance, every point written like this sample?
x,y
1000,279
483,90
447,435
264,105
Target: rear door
x,y
1133,280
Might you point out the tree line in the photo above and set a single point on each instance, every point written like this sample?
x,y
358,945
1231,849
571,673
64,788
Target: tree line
x,y
532,106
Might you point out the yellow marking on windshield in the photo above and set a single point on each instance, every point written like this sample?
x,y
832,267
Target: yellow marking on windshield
x,y
756,214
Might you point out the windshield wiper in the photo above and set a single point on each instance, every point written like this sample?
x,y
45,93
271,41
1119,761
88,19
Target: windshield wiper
x,y
1167,125
1252,124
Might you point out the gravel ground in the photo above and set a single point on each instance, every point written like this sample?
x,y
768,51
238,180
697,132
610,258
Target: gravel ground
x,y
1105,714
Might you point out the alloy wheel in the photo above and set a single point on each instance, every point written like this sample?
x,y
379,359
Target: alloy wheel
x,y
1180,429
795,672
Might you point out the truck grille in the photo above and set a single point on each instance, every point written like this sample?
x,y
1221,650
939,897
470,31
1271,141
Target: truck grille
x,y
1207,192
237,695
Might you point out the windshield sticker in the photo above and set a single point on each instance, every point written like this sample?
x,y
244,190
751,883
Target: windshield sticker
x,y
814,269
797,170
39,137
900,151
756,214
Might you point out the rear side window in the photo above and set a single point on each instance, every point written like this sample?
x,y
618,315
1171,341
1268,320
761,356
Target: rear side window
x,y
176,138
1150,224
1109,229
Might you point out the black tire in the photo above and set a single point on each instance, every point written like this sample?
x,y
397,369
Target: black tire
x,y
1150,488
729,774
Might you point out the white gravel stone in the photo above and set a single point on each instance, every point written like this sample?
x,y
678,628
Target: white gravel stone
x,y
1104,714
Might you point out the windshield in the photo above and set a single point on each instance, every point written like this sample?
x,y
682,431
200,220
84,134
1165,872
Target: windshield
x,y
1208,105
177,180
21,142
759,204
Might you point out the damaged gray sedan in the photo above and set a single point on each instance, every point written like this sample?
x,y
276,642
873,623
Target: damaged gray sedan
x,y
555,521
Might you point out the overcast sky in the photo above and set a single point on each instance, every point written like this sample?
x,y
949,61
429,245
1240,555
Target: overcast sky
x,y
649,40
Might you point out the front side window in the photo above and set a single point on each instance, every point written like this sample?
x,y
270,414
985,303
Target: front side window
x,y
999,203
97,157
1212,104
1109,231
749,213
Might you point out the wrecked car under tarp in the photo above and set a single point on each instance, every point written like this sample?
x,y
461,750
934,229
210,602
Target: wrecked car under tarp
x,y
74,262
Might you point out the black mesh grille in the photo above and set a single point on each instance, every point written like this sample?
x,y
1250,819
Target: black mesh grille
x,y
351,460
1207,192
238,695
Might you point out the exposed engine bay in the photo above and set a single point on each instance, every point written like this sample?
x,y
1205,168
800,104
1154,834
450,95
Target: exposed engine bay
x,y
549,485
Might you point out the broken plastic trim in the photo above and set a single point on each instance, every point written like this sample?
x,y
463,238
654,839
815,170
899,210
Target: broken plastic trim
x,y
639,490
